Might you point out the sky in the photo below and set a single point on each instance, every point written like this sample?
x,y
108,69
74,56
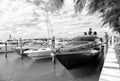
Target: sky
x,y
23,19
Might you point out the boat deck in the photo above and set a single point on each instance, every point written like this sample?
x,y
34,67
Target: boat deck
x,y
111,68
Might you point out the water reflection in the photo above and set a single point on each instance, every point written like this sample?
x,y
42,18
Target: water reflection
x,y
14,68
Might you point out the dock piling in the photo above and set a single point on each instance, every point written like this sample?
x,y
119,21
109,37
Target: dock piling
x,y
103,50
53,62
53,54
21,51
106,42
17,42
21,46
6,49
53,42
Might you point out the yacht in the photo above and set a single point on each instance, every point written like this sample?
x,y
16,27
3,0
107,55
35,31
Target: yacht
x,y
82,56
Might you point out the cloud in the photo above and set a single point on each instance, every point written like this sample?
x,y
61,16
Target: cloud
x,y
23,19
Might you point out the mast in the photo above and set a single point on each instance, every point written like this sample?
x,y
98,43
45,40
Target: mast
x,y
49,28
47,21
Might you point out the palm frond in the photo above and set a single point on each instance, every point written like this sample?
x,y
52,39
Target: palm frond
x,y
58,4
113,3
55,5
111,15
96,6
79,5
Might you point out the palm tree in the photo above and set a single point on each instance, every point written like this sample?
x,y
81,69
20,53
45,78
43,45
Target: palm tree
x,y
111,17
109,10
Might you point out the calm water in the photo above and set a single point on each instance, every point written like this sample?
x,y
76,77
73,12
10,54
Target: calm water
x,y
14,68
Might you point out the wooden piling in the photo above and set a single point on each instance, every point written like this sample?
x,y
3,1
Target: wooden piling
x,y
53,48
6,49
53,42
21,46
17,42
103,51
106,42
53,62
53,54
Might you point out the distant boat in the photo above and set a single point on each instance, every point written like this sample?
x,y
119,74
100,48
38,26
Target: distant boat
x,y
26,46
10,48
83,54
41,53
12,41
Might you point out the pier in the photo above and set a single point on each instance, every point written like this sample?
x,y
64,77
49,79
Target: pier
x,y
111,67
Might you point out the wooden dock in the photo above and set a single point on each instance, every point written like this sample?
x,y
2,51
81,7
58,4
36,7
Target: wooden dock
x,y
111,68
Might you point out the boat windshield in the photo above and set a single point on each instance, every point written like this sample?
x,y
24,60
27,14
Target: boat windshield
x,y
85,38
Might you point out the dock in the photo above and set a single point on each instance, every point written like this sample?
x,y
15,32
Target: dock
x,y
111,67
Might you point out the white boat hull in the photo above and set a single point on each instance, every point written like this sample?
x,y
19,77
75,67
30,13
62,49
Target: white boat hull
x,y
38,54
40,57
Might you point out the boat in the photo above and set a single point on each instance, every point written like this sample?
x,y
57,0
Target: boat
x,y
24,48
82,56
10,48
12,42
41,53
26,45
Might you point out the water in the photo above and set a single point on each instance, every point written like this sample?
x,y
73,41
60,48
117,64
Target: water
x,y
13,68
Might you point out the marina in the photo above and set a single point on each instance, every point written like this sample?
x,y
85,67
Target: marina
x,y
17,68
78,59
59,40
52,69
82,58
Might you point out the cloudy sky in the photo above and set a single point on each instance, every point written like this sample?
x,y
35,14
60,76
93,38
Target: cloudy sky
x,y
23,19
